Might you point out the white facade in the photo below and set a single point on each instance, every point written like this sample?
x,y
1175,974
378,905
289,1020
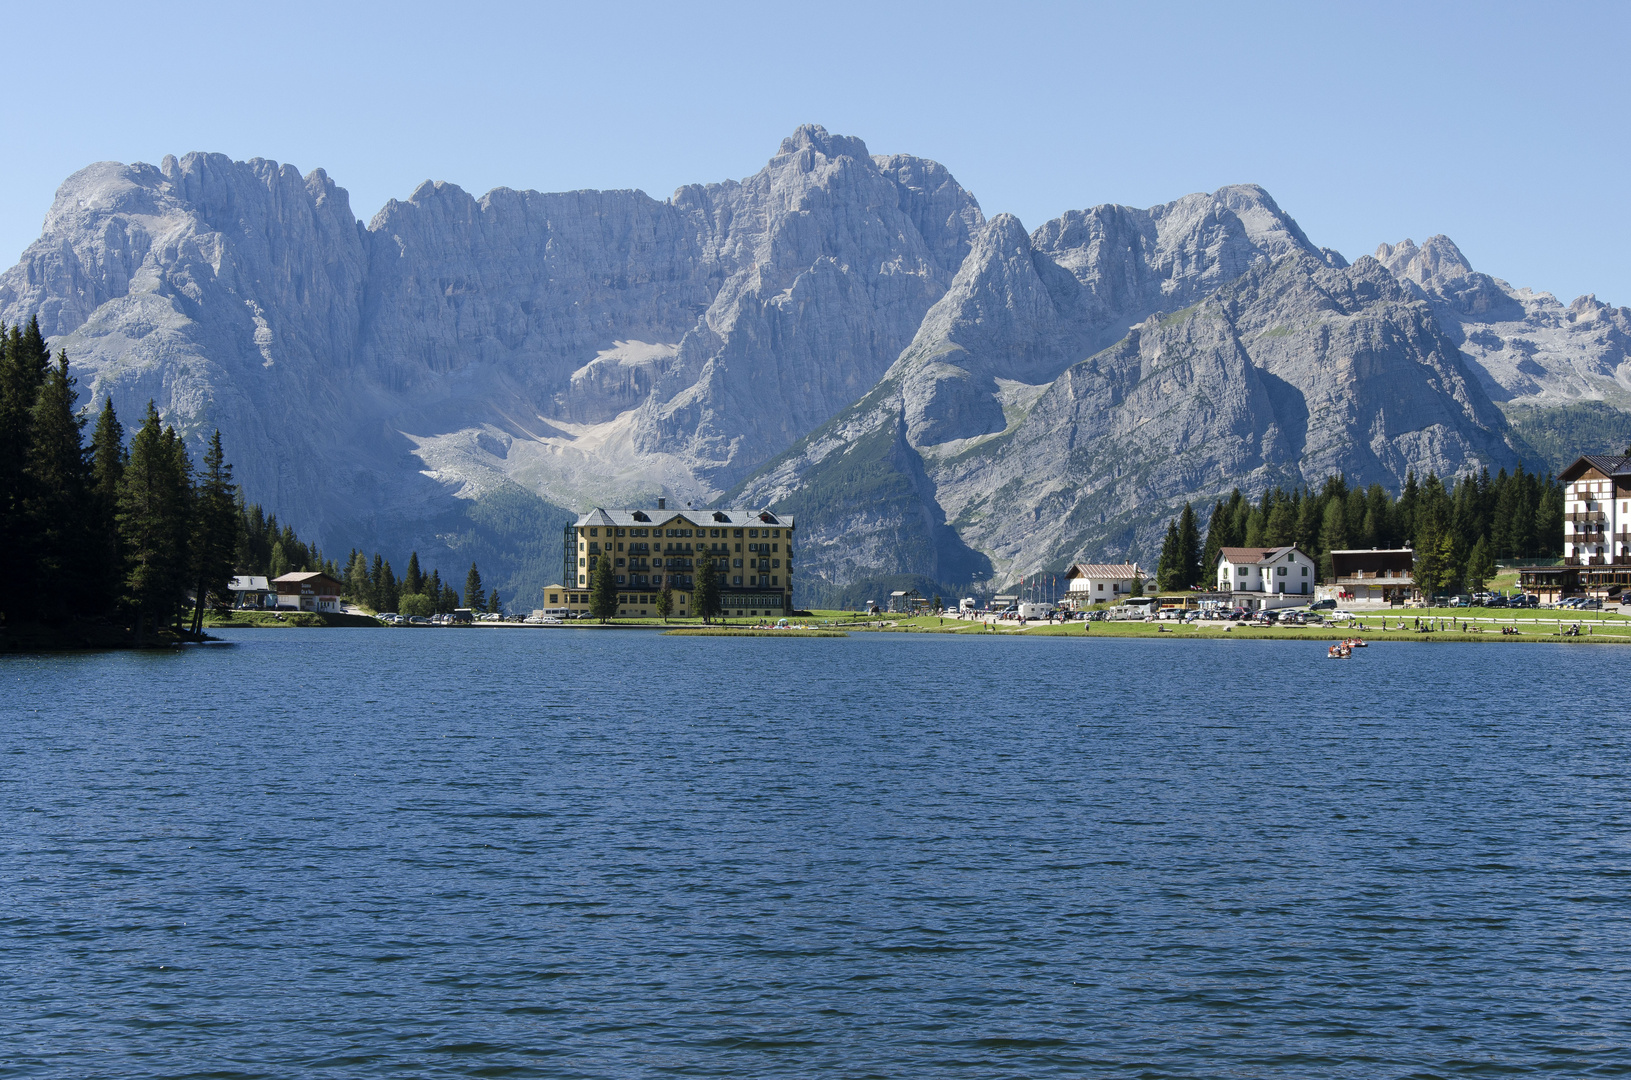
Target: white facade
x,y
1095,583
1260,578
1596,514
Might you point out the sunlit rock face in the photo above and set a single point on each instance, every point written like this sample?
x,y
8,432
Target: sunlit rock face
x,y
842,333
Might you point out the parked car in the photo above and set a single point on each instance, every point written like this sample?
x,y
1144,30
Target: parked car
x,y
1323,605
418,620
1460,601
1590,604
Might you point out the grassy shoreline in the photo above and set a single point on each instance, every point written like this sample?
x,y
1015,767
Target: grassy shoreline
x,y
1605,629
720,631
1601,628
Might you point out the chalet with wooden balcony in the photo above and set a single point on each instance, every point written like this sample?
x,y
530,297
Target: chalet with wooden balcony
x,y
308,591
1373,575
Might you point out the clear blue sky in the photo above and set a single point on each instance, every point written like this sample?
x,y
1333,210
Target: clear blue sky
x,y
1501,125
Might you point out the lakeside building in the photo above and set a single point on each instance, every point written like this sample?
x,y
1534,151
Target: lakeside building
x,y
1373,575
752,552
1262,578
308,590
251,591
1596,532
1094,583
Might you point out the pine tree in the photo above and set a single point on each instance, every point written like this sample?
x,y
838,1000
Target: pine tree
x,y
107,470
412,580
278,564
494,606
215,530
1240,512
1216,530
1549,519
390,591
154,515
1402,522
474,596
1189,549
433,589
1309,520
22,372
1427,563
1480,565
665,599
1450,557
357,583
705,589
1282,523
376,584
1333,534
448,600
1255,534
603,589
1168,568
60,512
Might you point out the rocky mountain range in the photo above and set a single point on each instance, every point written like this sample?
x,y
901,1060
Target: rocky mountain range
x,y
842,334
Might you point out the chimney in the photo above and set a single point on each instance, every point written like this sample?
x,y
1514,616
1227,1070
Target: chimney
x,y
662,504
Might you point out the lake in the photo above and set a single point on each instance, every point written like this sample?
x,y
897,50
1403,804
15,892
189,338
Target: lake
x,y
584,853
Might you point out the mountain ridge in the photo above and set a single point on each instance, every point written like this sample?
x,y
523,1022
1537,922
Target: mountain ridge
x,y
379,381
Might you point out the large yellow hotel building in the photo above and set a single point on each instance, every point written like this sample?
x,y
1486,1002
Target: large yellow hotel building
x,y
752,552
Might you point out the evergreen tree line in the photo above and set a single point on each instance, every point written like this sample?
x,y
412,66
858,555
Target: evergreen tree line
x,y
1456,531
269,550
376,585
103,529
272,550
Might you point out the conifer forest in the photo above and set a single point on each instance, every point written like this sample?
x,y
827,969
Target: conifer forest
x,y
133,532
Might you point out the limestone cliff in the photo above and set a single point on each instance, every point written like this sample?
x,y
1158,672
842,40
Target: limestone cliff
x,y
842,332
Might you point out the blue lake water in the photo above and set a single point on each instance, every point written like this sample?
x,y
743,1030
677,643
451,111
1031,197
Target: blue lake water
x,y
589,854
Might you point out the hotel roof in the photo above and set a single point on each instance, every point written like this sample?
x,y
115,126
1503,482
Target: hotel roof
x,y
1607,464
699,518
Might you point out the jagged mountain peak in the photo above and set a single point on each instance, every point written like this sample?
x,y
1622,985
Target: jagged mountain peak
x,y
1436,261
1260,219
820,140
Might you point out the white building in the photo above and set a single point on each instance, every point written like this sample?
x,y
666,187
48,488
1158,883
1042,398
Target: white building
x,y
1094,583
249,591
1259,578
1597,511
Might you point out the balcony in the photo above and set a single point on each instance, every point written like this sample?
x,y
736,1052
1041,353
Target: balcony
x,y
1597,560
1585,515
1383,577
